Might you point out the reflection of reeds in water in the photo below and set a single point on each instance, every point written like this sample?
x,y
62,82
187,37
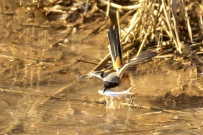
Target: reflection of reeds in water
x,y
24,38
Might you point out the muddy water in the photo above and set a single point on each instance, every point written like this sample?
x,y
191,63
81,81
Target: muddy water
x,y
40,92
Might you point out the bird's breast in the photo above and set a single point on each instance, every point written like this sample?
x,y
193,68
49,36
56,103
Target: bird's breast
x,y
112,77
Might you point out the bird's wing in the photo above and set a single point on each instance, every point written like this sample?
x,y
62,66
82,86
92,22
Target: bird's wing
x,y
138,60
115,47
98,74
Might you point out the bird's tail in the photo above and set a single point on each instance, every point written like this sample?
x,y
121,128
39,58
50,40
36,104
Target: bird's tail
x,y
115,47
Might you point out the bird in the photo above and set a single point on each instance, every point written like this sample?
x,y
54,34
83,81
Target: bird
x,y
117,78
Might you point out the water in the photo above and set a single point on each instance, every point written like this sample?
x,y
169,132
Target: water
x,y
40,92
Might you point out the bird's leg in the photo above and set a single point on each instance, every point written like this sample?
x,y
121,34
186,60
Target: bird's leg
x,y
104,90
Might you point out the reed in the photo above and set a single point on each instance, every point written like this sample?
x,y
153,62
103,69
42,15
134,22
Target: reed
x,y
161,25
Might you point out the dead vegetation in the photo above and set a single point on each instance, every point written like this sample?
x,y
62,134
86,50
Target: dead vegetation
x,y
32,37
173,28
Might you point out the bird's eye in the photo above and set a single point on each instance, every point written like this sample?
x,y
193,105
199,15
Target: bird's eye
x,y
100,73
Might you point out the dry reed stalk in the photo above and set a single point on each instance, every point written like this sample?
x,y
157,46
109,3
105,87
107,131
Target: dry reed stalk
x,y
161,24
171,34
86,7
108,8
120,6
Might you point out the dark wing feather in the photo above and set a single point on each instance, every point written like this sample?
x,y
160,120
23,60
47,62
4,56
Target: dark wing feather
x,y
118,45
112,43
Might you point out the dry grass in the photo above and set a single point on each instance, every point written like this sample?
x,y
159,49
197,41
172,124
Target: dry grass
x,y
166,26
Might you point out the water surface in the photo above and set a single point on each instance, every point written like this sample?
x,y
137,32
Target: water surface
x,y
40,92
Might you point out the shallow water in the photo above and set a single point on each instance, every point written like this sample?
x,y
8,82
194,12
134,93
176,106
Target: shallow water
x,y
40,92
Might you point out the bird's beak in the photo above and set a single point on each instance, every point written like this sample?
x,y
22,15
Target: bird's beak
x,y
104,90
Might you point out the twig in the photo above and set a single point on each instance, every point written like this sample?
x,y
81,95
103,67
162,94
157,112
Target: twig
x,y
85,61
108,8
121,7
86,7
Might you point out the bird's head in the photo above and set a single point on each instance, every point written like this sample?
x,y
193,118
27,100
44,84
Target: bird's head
x,y
99,74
